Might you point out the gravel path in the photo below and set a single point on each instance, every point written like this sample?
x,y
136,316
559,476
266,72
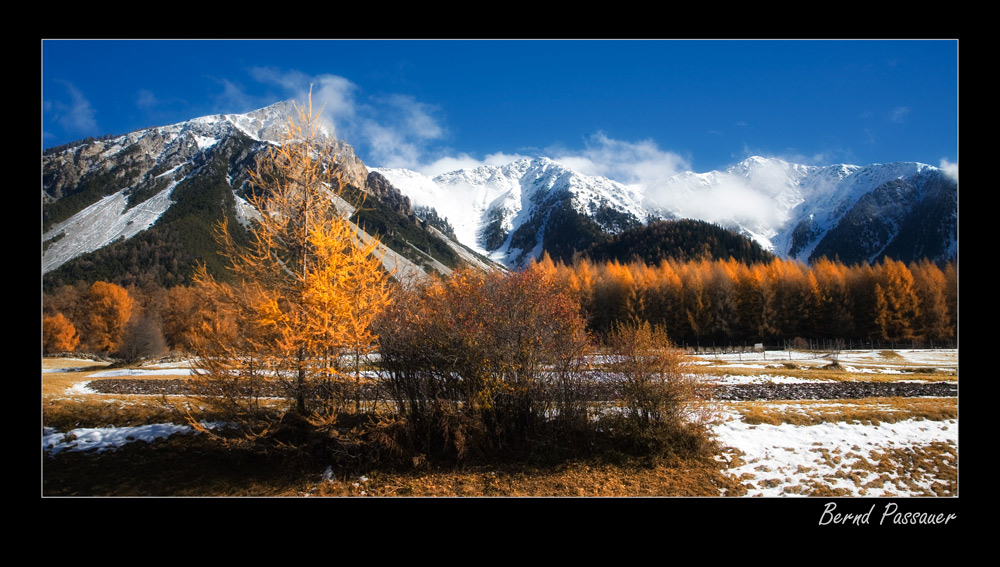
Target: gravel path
x,y
802,391
836,390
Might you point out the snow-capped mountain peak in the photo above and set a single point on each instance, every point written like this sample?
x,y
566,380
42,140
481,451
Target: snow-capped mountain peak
x,y
788,208
488,203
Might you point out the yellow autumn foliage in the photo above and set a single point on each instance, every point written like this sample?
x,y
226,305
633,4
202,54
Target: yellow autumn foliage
x,y
307,285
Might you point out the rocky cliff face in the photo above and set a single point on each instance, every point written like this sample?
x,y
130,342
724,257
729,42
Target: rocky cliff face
x,y
380,188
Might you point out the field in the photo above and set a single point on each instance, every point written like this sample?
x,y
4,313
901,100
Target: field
x,y
876,443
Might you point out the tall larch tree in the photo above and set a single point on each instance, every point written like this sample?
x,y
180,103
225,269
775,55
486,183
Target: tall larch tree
x,y
307,286
930,285
109,308
951,296
897,306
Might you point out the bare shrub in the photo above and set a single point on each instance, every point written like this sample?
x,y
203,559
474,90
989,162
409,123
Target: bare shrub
x,y
479,364
143,339
657,401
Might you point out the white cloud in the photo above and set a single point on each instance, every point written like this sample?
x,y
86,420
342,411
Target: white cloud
x,y
332,94
500,158
76,117
899,114
386,145
449,163
464,161
725,199
234,98
393,130
415,117
655,173
792,155
146,99
950,168
632,163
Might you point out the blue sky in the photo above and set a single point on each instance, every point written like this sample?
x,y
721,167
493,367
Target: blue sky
x,y
621,108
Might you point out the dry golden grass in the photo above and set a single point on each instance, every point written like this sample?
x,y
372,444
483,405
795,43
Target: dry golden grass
x,y
60,374
65,406
824,372
124,411
868,411
577,479
194,466
927,470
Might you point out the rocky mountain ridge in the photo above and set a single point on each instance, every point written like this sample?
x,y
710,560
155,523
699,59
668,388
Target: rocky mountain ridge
x,y
167,186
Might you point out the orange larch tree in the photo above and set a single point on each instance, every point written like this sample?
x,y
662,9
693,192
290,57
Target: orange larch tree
x,y
897,306
307,286
109,308
58,334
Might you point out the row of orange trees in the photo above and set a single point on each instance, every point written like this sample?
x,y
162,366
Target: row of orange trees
x,y
704,301
93,318
727,302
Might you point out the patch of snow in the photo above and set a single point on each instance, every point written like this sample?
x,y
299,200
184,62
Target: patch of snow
x,y
81,388
776,455
764,379
205,142
118,372
103,438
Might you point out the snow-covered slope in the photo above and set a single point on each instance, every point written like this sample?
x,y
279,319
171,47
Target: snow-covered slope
x,y
101,224
790,209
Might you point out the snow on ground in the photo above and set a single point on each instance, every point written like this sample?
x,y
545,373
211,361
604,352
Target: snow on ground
x,y
141,372
941,358
848,458
781,459
81,388
104,438
856,362
726,379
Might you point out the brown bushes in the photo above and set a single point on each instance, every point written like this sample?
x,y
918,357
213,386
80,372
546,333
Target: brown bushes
x,y
655,398
480,364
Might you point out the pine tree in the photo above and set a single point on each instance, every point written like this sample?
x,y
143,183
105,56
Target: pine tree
x,y
307,286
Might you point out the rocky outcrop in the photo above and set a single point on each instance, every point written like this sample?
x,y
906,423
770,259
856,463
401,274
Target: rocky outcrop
x,y
380,188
